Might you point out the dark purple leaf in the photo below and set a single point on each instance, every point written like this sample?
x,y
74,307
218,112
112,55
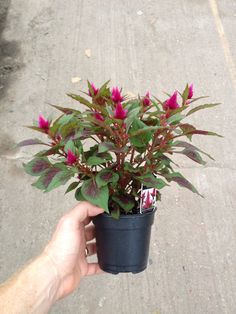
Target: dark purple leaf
x,y
31,141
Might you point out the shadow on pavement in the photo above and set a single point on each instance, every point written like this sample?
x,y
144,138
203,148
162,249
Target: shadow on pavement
x,y
9,50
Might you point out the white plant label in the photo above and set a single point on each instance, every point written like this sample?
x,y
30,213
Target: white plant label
x,y
147,199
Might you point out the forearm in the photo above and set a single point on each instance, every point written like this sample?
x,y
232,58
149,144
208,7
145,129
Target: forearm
x,y
33,290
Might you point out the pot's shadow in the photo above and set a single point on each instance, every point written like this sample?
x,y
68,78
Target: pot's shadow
x,y
9,51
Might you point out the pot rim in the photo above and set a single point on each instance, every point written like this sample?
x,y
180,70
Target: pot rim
x,y
108,216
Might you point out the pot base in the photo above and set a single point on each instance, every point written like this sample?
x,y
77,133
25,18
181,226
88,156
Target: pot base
x,y
115,270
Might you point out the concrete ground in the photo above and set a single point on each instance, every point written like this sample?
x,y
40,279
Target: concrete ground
x,y
140,45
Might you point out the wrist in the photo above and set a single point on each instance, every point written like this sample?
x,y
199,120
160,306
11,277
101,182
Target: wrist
x,y
40,283
34,289
50,275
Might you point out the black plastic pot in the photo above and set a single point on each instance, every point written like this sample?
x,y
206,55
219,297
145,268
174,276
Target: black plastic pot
x,y
123,244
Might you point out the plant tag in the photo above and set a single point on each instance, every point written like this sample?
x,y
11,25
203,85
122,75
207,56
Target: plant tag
x,y
147,199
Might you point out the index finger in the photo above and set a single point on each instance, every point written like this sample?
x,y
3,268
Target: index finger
x,y
83,211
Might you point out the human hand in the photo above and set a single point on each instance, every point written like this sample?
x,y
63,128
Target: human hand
x,y
67,248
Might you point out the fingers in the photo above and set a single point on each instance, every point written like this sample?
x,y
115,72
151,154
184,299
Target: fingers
x,y
93,269
89,233
83,211
91,249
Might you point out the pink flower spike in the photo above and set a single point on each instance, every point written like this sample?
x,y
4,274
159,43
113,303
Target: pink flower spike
x,y
95,90
146,99
99,117
120,112
171,103
43,123
148,201
71,158
116,95
190,91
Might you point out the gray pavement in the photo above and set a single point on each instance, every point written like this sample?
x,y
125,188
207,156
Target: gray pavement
x,y
168,43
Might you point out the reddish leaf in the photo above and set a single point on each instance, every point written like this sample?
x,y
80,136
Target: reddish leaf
x,y
46,178
190,146
37,166
126,202
92,193
178,178
31,141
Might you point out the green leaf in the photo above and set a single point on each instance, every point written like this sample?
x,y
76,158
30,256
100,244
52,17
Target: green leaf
x,y
46,178
179,178
81,99
126,202
65,119
31,141
94,161
60,179
144,130
150,181
185,93
132,114
196,99
78,195
37,166
141,138
106,176
65,110
201,107
128,167
71,146
106,146
201,132
104,91
97,196
175,118
72,186
115,213
109,146
186,129
52,151
35,128
69,129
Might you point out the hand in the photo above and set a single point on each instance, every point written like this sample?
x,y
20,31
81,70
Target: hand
x,y
66,250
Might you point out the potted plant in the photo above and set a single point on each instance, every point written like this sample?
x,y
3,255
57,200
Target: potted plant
x,y
118,153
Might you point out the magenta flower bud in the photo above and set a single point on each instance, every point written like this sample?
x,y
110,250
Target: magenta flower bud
x,y
190,91
95,90
116,95
171,103
98,116
71,158
120,112
146,99
43,123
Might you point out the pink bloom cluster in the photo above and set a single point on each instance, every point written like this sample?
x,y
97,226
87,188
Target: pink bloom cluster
x,y
119,112
43,123
146,100
95,90
190,91
172,103
71,158
116,95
